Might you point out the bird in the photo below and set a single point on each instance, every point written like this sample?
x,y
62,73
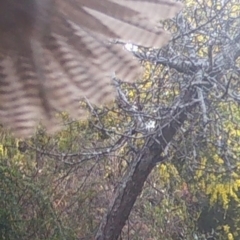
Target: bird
x,y
54,53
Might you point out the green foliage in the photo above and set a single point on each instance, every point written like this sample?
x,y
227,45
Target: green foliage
x,y
26,209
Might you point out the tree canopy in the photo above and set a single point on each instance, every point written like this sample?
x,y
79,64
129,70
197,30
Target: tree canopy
x,y
161,162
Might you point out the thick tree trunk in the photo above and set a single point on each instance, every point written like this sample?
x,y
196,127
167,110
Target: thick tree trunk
x,y
132,184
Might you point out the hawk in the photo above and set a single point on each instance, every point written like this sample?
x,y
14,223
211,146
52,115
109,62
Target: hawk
x,y
55,52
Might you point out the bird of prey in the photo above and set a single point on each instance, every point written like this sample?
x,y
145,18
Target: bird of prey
x,y
55,52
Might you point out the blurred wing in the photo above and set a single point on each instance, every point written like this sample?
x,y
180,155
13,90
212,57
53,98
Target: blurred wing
x,y
64,55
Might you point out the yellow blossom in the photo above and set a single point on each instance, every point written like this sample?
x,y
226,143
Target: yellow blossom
x,y
226,228
230,236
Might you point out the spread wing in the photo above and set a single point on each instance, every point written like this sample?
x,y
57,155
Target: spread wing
x,y
54,53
